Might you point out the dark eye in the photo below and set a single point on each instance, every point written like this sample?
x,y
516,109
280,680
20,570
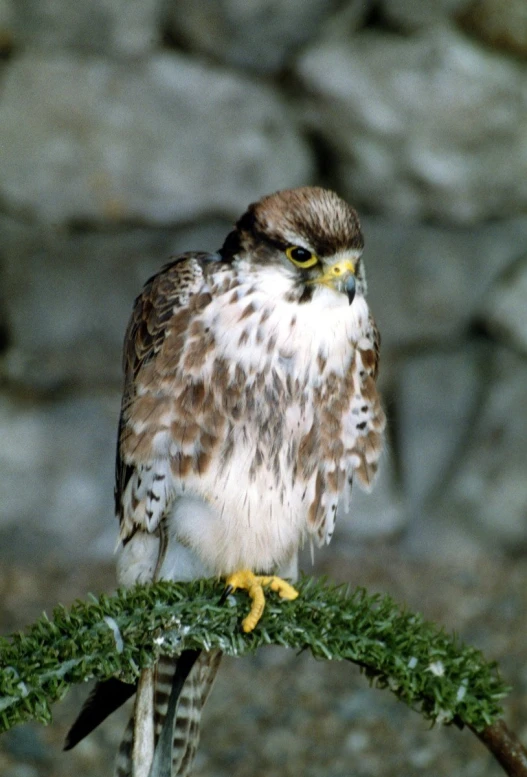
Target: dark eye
x,y
301,257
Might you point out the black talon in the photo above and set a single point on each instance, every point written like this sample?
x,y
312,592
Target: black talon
x,y
227,591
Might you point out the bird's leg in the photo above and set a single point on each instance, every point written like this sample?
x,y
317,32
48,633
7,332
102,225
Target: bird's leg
x,y
254,584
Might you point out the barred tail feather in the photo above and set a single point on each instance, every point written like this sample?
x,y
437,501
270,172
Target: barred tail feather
x,y
123,762
202,678
177,716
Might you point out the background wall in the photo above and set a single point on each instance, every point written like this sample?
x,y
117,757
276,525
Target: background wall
x,y
131,130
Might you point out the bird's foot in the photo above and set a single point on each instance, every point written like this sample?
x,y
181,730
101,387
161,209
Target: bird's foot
x,y
254,584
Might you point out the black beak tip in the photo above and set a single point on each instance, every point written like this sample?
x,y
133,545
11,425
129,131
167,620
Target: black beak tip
x,y
350,288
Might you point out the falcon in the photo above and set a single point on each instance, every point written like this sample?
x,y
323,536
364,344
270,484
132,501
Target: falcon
x,y
249,407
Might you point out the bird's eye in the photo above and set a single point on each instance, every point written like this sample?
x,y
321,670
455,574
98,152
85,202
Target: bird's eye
x,y
301,257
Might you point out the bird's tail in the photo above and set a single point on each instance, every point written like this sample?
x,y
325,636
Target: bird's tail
x,y
177,716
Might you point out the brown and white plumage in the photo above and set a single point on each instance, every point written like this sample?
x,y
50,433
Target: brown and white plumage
x,y
176,718
249,403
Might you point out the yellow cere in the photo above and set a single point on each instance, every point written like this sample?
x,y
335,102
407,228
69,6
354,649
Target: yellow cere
x,y
341,268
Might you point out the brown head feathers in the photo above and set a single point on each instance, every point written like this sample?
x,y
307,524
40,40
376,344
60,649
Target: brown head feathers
x,y
314,217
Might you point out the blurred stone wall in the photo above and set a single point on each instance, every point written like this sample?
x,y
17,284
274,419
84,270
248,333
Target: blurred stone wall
x,y
134,129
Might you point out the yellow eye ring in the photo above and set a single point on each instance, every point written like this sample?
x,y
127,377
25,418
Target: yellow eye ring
x,y
301,257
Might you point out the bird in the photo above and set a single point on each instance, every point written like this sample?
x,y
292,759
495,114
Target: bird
x,y
249,408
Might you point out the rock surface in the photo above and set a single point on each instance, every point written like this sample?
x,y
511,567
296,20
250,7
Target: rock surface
x,y
490,488
57,479
262,35
439,396
381,512
113,27
427,127
411,15
501,23
427,283
69,295
504,309
162,140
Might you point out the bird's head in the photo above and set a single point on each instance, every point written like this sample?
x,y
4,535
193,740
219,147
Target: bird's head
x,y
310,233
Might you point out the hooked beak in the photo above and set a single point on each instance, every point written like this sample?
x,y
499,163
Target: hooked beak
x,y
340,277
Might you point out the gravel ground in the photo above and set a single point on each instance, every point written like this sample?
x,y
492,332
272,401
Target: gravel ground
x,y
279,714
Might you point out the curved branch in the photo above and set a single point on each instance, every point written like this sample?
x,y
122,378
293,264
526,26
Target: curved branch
x,y
505,747
117,636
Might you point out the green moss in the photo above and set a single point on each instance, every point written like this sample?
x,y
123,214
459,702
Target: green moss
x,y
116,636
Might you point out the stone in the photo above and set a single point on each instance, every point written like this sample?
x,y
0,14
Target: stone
x,y
442,532
26,744
427,127
380,513
113,27
162,140
263,35
426,284
68,296
207,235
6,27
348,19
490,489
4,326
502,23
504,309
411,15
438,394
57,476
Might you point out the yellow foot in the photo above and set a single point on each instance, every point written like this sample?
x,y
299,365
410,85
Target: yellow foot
x,y
253,584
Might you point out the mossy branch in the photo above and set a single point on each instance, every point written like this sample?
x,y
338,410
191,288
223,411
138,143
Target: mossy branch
x,y
117,636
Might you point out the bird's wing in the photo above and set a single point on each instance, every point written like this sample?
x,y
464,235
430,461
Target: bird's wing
x,y
371,421
105,698
154,342
164,296
355,410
